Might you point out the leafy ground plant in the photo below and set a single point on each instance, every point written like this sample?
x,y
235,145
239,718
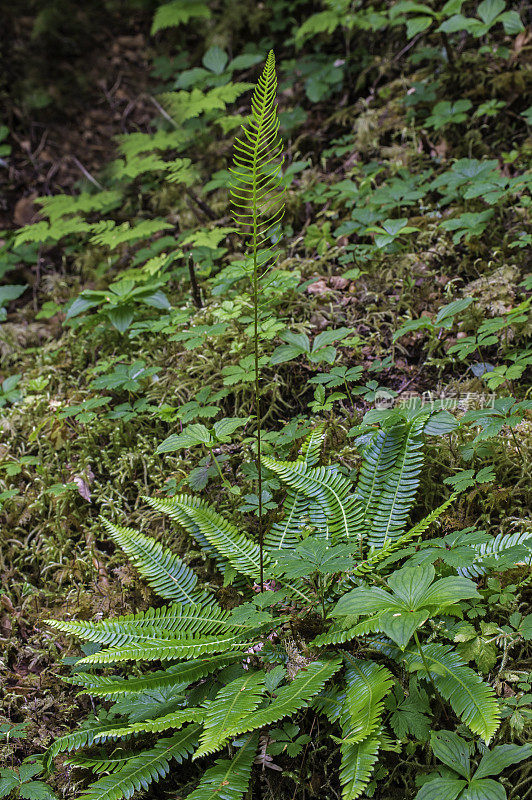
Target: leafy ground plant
x,y
337,631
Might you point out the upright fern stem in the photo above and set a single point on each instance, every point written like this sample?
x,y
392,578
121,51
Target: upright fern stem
x,y
257,205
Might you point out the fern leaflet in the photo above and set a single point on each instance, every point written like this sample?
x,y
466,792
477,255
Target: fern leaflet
x,y
167,574
228,779
233,703
144,768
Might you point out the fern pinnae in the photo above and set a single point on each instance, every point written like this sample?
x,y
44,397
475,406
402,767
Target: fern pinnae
x,y
144,768
232,704
295,696
178,676
358,761
257,205
167,649
228,779
171,622
166,573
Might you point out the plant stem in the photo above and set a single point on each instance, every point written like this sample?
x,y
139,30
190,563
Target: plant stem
x,y
224,480
448,50
257,388
427,670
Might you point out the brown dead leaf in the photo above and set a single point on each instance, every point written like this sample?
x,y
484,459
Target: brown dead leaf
x,y
26,212
337,282
520,41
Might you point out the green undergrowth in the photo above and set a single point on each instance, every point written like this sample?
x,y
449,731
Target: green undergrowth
x,y
401,276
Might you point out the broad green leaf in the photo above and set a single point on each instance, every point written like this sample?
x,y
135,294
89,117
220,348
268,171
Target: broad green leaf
x,y
504,755
365,601
411,583
449,590
417,25
329,337
451,309
400,625
215,60
485,789
8,293
440,789
489,10
452,750
191,436
227,426
120,318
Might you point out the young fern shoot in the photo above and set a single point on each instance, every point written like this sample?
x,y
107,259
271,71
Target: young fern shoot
x,y
257,206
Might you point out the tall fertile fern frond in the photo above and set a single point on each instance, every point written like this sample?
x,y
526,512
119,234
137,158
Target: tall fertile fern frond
x,y
145,767
257,192
165,572
257,206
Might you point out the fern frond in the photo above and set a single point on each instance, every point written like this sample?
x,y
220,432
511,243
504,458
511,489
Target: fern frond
x,y
471,698
85,737
165,572
228,779
178,676
389,478
299,510
311,447
108,234
176,513
336,635
293,697
165,650
232,704
329,489
257,191
392,546
242,553
357,765
497,546
171,622
144,768
112,763
298,513
61,205
368,683
177,13
174,720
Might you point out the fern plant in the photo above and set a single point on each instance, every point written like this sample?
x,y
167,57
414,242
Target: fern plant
x,y
224,679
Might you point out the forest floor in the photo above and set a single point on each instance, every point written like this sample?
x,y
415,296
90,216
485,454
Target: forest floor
x,y
58,472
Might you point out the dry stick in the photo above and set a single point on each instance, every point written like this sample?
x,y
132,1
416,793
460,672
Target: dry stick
x,y
196,293
87,173
207,210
